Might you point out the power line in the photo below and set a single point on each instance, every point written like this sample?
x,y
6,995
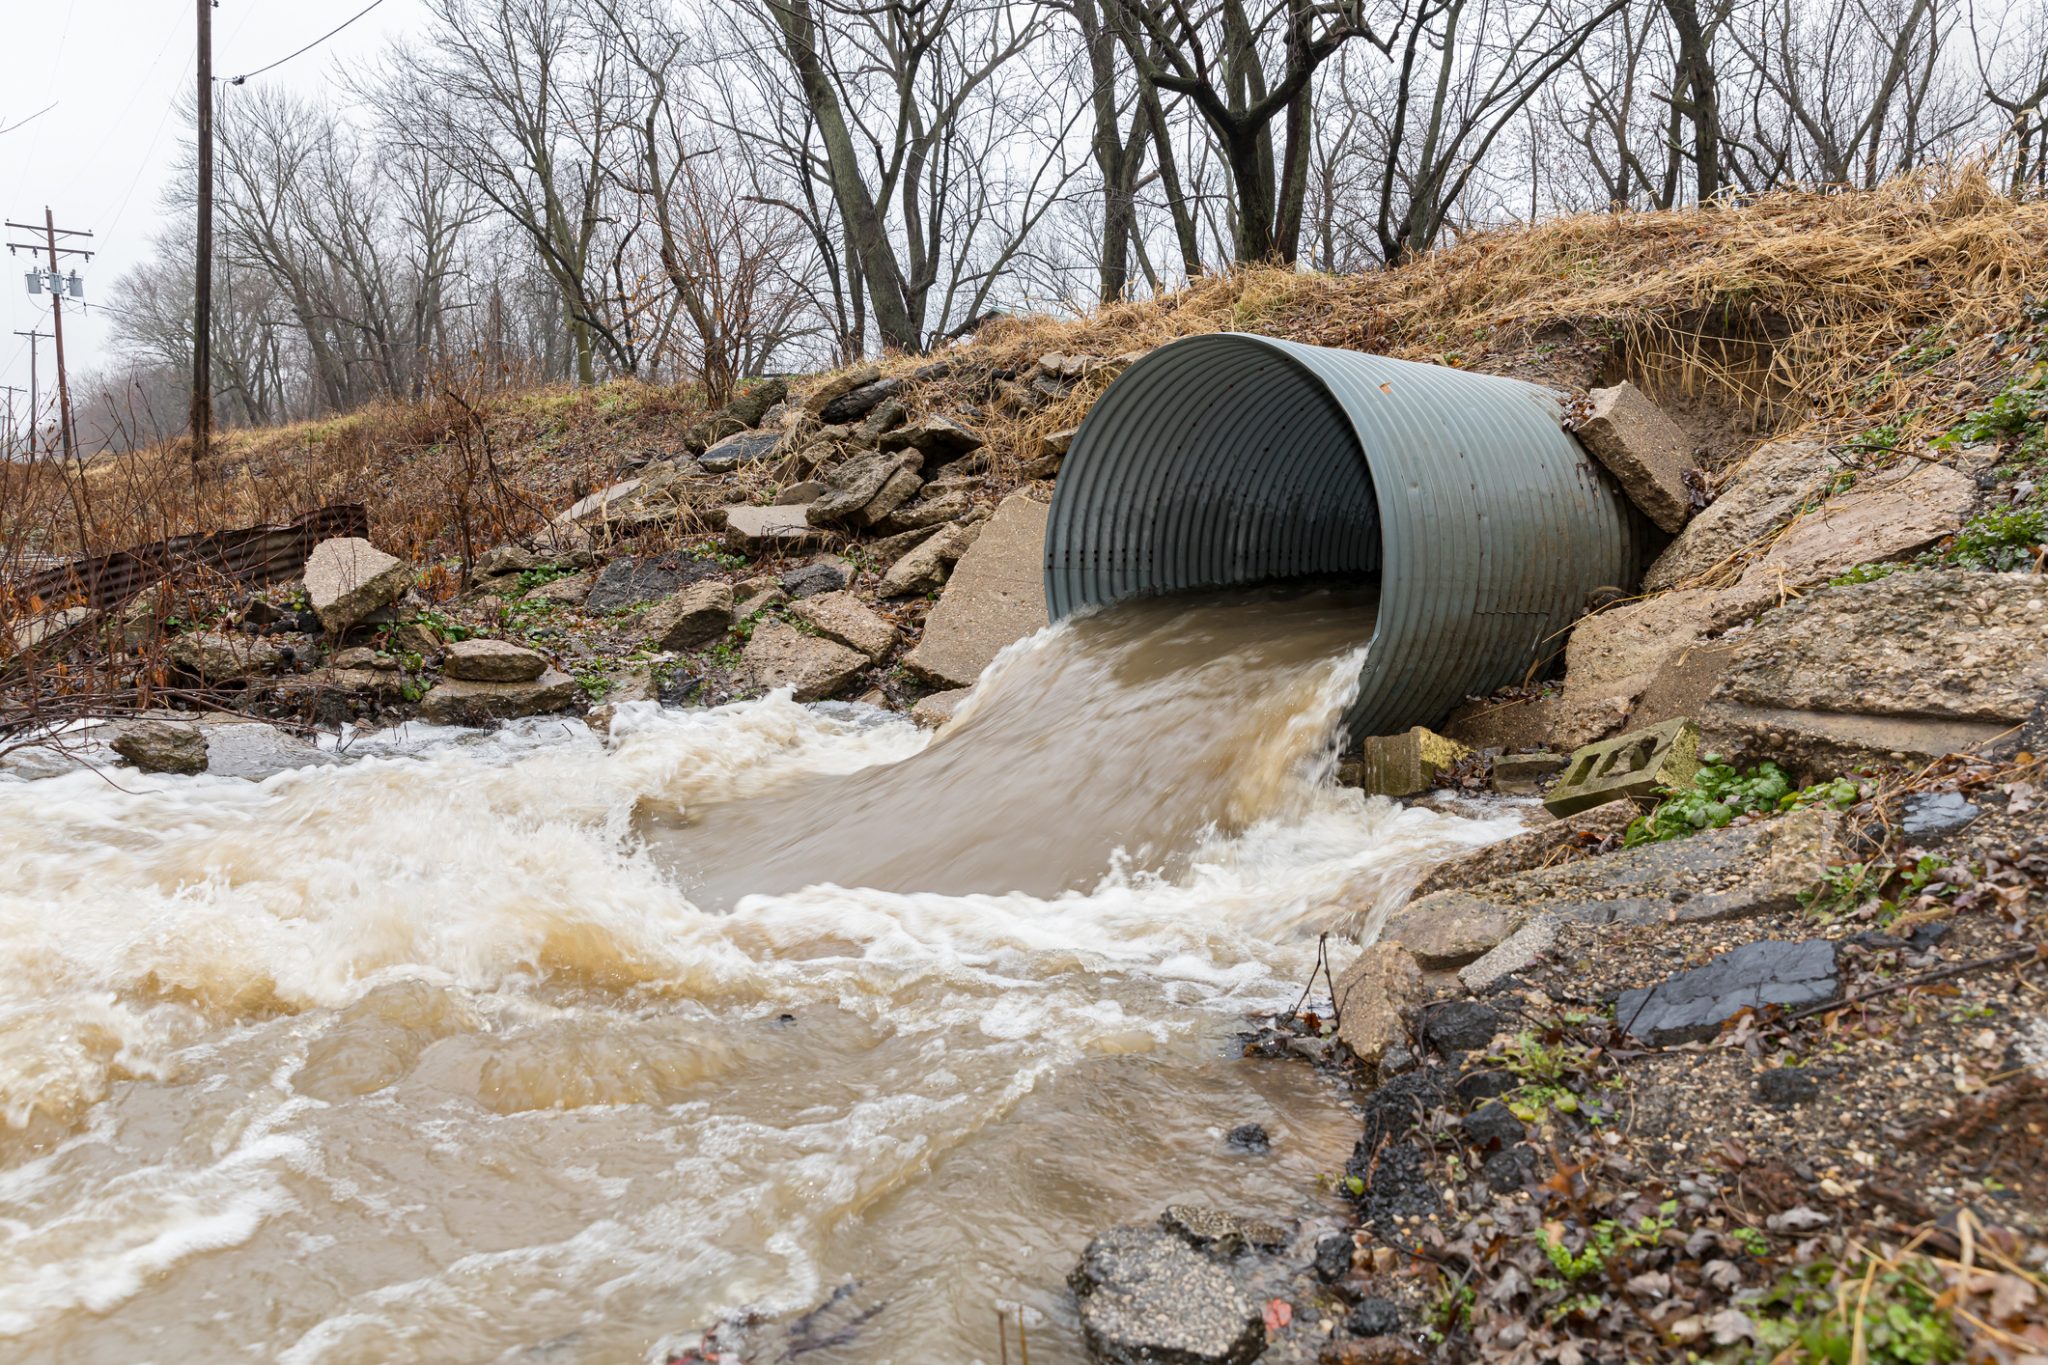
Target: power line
x,y
310,46
23,123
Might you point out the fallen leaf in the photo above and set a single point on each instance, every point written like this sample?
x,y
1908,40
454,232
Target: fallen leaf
x,y
1279,1312
1729,1326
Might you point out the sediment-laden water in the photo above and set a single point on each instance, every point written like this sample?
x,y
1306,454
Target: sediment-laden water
x,y
526,1047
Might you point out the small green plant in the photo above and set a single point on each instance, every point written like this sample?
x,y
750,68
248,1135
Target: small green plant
x,y
1891,1313
1751,1241
711,552
541,574
1865,573
1450,1310
2000,541
1719,793
1883,888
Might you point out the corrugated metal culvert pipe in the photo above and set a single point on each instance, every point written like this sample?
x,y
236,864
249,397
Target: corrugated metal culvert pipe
x,y
1226,460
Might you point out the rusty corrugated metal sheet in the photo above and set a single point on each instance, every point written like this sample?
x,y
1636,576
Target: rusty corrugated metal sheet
x,y
1232,459
253,554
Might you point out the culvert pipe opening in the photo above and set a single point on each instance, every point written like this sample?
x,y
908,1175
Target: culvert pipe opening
x,y
1227,460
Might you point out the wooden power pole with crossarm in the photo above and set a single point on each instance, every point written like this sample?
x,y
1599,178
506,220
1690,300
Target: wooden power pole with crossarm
x,y
51,232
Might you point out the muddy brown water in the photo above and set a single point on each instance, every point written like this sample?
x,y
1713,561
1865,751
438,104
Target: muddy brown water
x,y
523,1047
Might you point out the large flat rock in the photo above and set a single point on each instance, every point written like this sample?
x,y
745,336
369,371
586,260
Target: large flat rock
x,y
1694,1004
455,702
1759,494
1647,452
1730,873
810,666
347,578
995,597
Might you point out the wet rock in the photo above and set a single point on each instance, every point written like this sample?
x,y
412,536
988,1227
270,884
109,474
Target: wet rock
x,y
1547,845
362,656
157,746
1492,1126
1919,664
1785,1086
1758,494
941,440
1147,1296
1694,1004
455,702
924,566
769,530
857,403
1395,1173
1523,774
741,448
835,386
1250,1137
691,619
813,668
994,598
1333,1256
347,578
933,711
1929,815
1477,1087
1459,1026
634,579
1647,452
820,575
493,661
1742,870
1373,1318
1508,1170
1374,996
1220,1231
842,617
253,751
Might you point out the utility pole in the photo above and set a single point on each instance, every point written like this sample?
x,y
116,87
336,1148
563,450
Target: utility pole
x,y
51,232
34,395
202,275
8,444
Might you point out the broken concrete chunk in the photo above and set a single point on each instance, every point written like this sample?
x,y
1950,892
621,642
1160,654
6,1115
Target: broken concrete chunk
x,y
1405,764
1628,767
216,657
1517,952
941,440
857,403
691,619
766,530
827,573
923,567
1547,845
812,667
833,386
845,618
867,488
1694,1004
1453,930
1647,452
347,578
1756,496
643,578
1146,1295
746,447
1374,997
493,661
994,598
933,711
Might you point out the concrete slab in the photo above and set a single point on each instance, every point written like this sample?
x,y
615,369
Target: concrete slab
x,y
1644,449
995,597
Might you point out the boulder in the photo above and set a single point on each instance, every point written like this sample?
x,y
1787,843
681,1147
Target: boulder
x,y
769,530
1146,1295
497,661
941,440
633,579
1919,664
842,617
215,657
745,447
253,751
812,667
867,488
1746,869
1647,452
1694,1004
456,702
501,560
566,592
1374,997
1753,499
857,403
693,618
834,386
347,578
1219,1231
995,597
158,746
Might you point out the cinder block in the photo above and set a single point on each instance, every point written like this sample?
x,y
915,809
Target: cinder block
x,y
1628,767
1403,765
1644,449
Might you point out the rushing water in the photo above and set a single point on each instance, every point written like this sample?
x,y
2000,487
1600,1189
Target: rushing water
x,y
527,1047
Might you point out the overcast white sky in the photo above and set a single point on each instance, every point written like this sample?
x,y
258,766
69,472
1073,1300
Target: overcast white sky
x,y
115,70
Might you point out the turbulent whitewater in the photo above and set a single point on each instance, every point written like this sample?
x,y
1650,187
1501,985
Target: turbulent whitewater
x,y
528,1046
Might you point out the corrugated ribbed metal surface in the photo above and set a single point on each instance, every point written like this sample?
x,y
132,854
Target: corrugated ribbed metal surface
x,y
1232,459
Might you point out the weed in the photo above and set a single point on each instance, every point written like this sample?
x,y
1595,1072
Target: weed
x,y
1885,1313
1864,573
1881,889
1719,793
2000,541
541,574
1451,1309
